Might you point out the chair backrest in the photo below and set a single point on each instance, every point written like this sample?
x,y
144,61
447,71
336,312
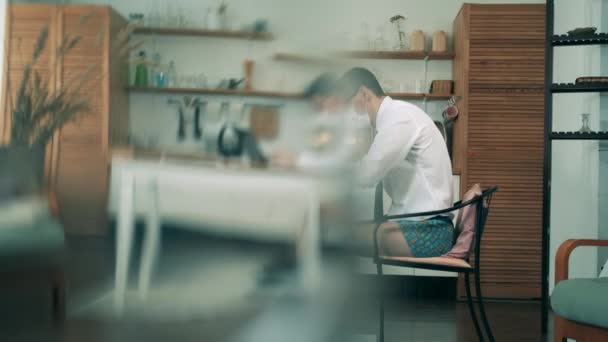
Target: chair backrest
x,y
482,206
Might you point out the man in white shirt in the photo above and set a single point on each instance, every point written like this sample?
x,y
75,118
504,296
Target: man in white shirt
x,y
336,136
409,155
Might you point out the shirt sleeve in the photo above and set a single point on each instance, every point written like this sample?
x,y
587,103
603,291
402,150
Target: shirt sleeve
x,y
310,161
391,144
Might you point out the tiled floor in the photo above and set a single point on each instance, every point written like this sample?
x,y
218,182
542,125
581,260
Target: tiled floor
x,y
90,267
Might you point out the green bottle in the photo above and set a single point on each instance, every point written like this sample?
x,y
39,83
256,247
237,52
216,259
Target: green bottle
x,y
141,71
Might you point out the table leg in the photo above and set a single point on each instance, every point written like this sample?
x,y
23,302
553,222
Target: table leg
x,y
309,247
124,240
152,241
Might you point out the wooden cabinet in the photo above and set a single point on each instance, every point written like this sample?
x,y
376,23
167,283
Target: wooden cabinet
x,y
498,137
77,160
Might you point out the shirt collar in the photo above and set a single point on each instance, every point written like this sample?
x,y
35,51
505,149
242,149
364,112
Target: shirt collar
x,y
382,111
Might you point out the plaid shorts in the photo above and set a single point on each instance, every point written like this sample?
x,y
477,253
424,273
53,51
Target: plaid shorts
x,y
428,238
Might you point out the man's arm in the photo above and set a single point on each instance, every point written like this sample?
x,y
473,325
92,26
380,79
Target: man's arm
x,y
391,145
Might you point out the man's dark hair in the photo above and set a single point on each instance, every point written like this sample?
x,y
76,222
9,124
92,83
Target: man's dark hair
x,y
322,86
353,79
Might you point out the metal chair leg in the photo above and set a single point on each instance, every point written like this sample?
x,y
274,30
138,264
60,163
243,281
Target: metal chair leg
x,y
380,290
482,310
467,286
58,296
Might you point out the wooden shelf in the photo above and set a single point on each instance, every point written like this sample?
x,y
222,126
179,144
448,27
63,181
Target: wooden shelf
x,y
194,32
253,93
403,55
260,93
416,96
305,59
415,55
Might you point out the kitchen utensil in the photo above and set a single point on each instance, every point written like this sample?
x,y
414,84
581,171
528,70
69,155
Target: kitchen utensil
x,y
260,25
181,128
582,31
199,108
229,141
248,68
264,122
213,123
417,41
233,83
440,41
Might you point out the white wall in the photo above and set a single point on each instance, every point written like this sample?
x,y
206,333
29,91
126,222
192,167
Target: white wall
x,y
299,26
574,200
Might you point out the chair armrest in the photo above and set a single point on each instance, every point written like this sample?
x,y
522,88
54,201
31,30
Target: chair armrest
x,y
53,203
563,255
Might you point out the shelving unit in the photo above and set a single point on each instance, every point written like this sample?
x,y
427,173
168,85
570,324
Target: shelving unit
x,y
228,92
579,136
552,41
592,39
578,88
395,55
194,32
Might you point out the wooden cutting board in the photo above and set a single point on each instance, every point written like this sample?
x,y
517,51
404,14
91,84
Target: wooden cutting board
x,y
264,122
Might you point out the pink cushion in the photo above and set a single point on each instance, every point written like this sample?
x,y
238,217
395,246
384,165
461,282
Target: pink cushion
x,y
443,261
465,227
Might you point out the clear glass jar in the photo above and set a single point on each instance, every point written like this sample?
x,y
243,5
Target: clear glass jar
x,y
585,128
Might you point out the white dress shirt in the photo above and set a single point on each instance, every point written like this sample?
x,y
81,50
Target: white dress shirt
x,y
410,156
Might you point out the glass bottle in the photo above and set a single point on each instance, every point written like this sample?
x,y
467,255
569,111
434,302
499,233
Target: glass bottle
x,y
171,75
159,76
585,128
141,70
379,42
364,40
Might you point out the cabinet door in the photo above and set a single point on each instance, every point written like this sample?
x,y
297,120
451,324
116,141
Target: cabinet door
x,y
82,171
505,142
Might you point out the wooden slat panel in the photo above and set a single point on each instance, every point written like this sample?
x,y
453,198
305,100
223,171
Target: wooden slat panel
x,y
24,23
504,73
83,169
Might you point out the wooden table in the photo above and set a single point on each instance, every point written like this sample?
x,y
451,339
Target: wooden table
x,y
244,198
